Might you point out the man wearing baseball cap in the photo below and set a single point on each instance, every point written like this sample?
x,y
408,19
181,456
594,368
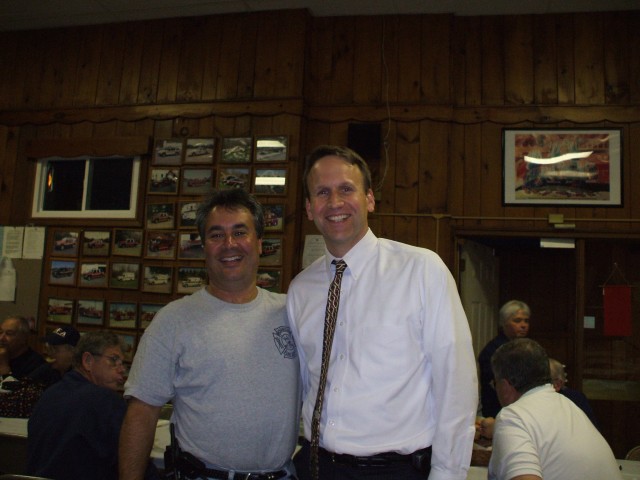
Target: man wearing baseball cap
x,y
59,349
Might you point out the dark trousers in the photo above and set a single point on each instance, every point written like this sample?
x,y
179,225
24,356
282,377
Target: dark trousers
x,y
337,471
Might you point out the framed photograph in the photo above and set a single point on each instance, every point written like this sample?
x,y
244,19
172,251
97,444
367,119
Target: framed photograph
x,y
187,211
200,150
127,242
273,218
59,310
123,314
90,312
234,178
93,274
147,312
167,152
157,279
236,150
191,279
160,215
124,275
272,149
269,279
270,181
161,244
564,167
191,246
163,181
63,272
65,243
96,243
196,181
271,251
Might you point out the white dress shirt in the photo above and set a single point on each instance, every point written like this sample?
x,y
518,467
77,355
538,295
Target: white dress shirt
x,y
402,374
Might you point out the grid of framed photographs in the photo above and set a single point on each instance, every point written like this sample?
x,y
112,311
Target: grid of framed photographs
x,y
164,258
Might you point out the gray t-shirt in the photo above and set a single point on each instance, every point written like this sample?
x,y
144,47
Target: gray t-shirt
x,y
232,373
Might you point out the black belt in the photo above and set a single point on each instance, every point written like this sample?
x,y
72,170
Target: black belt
x,y
378,460
224,475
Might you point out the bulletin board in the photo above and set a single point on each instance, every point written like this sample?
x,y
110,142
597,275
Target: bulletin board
x,y
28,276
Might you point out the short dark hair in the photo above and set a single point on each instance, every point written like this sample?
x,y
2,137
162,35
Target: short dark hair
x,y
232,199
94,343
523,363
335,151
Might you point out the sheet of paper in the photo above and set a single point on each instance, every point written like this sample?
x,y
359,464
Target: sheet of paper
x,y
33,245
314,248
12,242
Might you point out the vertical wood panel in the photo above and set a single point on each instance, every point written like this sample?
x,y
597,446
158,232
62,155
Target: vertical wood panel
x,y
545,84
518,70
343,52
212,40
192,60
368,72
588,57
132,62
232,33
634,59
267,60
391,58
31,53
248,64
319,67
473,61
566,65
88,65
409,59
472,170
457,177
170,60
386,187
434,167
111,64
617,55
493,60
9,75
290,67
52,69
458,56
150,68
491,172
435,46
407,181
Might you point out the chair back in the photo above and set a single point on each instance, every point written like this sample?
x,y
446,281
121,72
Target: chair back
x,y
633,454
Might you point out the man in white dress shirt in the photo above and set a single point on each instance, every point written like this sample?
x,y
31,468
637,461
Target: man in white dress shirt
x,y
538,433
401,393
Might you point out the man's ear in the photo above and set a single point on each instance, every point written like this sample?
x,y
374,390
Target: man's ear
x,y
87,360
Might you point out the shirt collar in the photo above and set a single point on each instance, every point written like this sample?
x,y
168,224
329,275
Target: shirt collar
x,y
356,258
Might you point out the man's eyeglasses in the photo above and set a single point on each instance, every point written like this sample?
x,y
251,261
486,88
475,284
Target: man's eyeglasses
x,y
115,360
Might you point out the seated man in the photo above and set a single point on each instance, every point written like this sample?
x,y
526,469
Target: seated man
x,y
538,433
559,380
17,359
21,395
75,426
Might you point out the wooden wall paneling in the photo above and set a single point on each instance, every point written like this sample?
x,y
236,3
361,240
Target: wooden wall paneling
x,y
407,182
456,177
617,54
248,58
10,73
212,39
192,61
631,170
545,60
88,70
32,53
186,127
391,57
491,174
472,170
243,126
342,60
111,64
457,62
232,34
589,61
369,73
493,68
436,58
291,52
151,59
319,65
384,190
223,127
518,54
634,60
267,59
81,130
170,59
409,59
132,62
8,154
163,129
566,70
474,54
53,69
433,167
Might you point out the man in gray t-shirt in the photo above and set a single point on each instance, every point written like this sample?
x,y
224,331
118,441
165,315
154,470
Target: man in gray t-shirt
x,y
224,356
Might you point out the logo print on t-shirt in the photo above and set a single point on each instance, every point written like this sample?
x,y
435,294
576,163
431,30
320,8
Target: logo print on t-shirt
x,y
284,341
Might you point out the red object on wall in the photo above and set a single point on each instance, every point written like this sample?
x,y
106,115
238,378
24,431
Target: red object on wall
x,y
617,310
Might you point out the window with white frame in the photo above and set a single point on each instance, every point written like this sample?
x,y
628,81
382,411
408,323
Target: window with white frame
x,y
86,187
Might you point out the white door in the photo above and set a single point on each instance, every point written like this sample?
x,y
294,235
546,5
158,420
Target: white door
x,y
479,283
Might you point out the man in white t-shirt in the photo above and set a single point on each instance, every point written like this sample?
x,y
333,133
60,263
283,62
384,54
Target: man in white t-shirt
x,y
538,433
